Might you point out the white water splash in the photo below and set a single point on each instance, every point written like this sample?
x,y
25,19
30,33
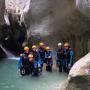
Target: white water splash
x,y
14,58
8,53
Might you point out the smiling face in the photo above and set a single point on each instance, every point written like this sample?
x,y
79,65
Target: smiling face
x,y
42,46
66,47
47,49
34,49
26,49
31,59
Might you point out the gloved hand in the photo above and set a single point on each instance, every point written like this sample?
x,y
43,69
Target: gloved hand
x,y
69,66
49,56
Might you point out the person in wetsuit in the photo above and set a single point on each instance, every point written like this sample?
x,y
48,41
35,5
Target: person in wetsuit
x,y
60,57
23,64
37,61
68,58
48,58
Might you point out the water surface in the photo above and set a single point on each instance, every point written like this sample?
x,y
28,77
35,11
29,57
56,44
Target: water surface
x,y
10,79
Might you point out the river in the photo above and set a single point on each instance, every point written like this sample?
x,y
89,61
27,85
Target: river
x,y
10,79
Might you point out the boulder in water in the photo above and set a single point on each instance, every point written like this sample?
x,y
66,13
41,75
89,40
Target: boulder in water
x,y
79,76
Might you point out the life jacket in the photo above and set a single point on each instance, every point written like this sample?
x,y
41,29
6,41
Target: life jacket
x,y
31,64
36,55
67,54
47,54
60,53
48,60
25,60
42,53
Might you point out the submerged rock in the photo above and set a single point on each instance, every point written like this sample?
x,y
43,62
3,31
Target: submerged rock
x,y
79,76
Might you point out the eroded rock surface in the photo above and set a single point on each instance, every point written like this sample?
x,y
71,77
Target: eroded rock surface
x,y
79,76
60,21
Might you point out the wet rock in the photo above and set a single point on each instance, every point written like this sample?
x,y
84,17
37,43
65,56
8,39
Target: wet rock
x,y
79,78
2,8
12,37
83,6
2,54
59,20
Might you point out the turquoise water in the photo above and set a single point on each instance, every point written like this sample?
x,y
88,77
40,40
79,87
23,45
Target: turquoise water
x,y
10,79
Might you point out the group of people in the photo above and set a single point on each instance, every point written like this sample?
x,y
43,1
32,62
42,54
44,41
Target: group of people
x,y
64,57
32,60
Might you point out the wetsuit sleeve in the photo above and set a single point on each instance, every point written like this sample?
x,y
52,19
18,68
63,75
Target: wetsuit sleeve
x,y
71,57
19,63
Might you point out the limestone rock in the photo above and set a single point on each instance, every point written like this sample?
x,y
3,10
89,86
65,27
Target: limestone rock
x,y
81,67
79,76
59,20
84,6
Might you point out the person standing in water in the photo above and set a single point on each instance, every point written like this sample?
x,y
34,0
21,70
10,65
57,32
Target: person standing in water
x,y
60,56
68,57
37,61
41,51
23,62
31,63
48,58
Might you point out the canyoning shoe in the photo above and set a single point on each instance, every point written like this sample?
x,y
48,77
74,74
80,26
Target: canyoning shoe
x,y
22,71
37,70
46,68
49,68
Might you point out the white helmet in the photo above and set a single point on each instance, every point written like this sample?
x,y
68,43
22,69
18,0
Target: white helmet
x,y
60,44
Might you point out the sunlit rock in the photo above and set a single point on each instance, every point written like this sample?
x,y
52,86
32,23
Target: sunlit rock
x,y
79,76
17,8
81,67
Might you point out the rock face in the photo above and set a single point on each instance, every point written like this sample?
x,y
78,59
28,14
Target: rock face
x,y
60,21
12,34
79,76
2,8
2,54
84,6
80,67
